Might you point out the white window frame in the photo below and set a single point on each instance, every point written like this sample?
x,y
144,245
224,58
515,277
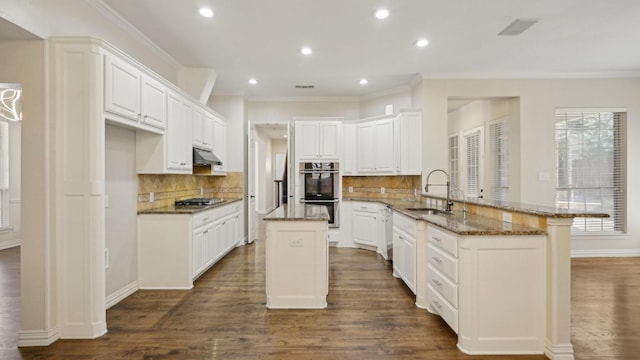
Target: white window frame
x,y
465,162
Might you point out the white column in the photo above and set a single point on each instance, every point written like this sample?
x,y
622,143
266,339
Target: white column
x,y
558,323
78,140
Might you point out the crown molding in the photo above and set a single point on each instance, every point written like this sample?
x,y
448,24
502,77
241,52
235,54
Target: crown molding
x,y
302,99
110,14
531,75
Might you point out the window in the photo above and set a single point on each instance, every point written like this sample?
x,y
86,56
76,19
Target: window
x,y
453,162
473,164
590,153
499,142
4,175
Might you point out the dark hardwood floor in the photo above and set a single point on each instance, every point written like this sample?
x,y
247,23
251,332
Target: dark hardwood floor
x,y
371,315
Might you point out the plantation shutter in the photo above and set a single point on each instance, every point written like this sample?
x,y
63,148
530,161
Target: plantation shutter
x,y
472,163
499,137
590,167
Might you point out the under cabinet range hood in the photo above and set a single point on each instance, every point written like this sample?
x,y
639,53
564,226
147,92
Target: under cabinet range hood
x,y
203,157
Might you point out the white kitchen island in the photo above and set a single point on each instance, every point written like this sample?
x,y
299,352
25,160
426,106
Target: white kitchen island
x,y
297,257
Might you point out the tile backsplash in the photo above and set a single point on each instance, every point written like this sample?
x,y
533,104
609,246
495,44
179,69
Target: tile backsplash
x,y
395,187
169,188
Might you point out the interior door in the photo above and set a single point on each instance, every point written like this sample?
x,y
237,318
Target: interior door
x,y
252,213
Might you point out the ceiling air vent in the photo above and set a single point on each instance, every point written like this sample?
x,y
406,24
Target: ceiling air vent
x,y
518,26
305,86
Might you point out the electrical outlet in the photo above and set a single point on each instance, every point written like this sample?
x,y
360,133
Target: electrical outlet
x,y
151,197
382,190
350,189
201,191
507,217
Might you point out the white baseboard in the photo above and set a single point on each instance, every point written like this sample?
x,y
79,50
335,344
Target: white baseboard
x,y
8,244
38,338
605,253
121,294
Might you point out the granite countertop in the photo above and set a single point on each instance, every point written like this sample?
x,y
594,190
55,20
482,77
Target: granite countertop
x,y
299,212
187,210
540,210
456,221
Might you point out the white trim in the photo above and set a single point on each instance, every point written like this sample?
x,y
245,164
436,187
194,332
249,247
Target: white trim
x,y
8,244
120,294
590,109
589,253
558,352
530,75
112,16
223,92
38,338
301,98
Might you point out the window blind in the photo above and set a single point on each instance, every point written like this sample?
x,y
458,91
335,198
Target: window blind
x,y
4,175
453,162
499,141
472,164
590,153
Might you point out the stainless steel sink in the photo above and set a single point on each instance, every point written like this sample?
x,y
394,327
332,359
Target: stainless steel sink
x,y
428,211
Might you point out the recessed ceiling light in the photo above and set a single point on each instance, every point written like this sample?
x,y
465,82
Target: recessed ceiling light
x,y
422,42
306,50
364,81
206,12
253,81
382,14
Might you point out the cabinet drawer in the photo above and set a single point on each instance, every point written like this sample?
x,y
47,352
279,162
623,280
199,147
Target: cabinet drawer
x,y
365,206
405,223
443,285
443,240
438,304
445,263
203,218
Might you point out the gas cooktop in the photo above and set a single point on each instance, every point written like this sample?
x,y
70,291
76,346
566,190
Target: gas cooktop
x,y
199,202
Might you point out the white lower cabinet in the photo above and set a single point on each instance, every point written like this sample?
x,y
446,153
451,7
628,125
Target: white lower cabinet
x,y
365,229
175,249
404,249
489,289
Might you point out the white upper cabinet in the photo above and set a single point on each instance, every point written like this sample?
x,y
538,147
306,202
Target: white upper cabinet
x,y
318,140
178,135
154,103
220,144
134,98
122,88
375,147
202,128
349,149
408,143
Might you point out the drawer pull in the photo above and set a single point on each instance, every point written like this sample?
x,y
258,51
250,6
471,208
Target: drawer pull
x,y
205,219
437,239
435,281
363,207
437,304
437,259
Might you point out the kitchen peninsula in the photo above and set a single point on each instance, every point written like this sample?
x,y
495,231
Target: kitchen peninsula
x,y
504,287
297,257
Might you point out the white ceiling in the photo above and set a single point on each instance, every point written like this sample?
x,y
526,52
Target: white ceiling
x,y
261,39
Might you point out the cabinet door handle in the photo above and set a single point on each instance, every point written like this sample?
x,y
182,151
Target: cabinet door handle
x,y
435,281
437,259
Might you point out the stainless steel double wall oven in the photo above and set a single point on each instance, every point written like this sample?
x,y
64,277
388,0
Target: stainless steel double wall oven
x,y
321,182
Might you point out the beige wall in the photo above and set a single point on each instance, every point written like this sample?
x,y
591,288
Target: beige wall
x,y
282,111
24,62
375,106
538,101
